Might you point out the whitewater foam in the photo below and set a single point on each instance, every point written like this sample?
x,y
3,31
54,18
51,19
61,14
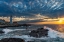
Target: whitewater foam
x,y
10,30
54,34
51,33
7,30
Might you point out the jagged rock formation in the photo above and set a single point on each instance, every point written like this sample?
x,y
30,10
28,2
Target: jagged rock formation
x,y
12,40
39,32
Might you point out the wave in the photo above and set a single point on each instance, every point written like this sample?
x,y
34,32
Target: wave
x,y
51,33
54,34
10,30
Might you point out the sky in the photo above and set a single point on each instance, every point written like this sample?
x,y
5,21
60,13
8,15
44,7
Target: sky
x,y
29,7
32,10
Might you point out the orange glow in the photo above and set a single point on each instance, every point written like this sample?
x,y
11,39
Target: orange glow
x,y
52,21
60,28
60,21
44,19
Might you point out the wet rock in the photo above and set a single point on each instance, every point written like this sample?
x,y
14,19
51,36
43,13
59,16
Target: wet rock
x,y
1,32
12,40
39,32
30,41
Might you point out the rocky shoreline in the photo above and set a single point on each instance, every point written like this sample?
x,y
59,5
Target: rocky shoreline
x,y
12,40
39,32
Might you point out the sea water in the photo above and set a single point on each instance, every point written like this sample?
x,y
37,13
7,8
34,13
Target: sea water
x,y
53,36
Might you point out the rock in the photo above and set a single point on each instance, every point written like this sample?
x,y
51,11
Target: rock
x,y
1,32
12,40
30,41
39,32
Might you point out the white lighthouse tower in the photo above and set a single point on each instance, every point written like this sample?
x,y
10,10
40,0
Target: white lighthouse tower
x,y
11,22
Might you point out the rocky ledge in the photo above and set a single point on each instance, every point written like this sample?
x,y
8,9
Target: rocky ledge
x,y
1,32
12,40
39,32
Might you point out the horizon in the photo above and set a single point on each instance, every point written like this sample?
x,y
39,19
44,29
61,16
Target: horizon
x,y
33,11
35,20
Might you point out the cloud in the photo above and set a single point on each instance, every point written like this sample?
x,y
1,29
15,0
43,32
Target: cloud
x,y
26,7
36,19
33,18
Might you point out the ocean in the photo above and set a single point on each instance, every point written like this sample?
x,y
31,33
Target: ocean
x,y
21,32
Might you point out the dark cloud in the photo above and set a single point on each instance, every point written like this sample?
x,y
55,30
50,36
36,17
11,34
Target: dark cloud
x,y
29,7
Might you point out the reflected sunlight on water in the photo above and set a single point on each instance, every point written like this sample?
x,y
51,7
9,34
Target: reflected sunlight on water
x,y
60,28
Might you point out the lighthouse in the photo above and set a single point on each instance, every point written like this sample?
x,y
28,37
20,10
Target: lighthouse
x,y
11,22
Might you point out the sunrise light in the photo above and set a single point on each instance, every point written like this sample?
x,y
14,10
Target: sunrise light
x,y
60,21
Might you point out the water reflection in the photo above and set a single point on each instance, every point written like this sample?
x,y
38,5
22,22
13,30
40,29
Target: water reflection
x,y
60,28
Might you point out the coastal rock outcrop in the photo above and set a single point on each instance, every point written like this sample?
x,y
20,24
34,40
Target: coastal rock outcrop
x,y
12,40
1,32
39,32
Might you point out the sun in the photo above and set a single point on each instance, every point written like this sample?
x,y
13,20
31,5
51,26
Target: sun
x,y
60,21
